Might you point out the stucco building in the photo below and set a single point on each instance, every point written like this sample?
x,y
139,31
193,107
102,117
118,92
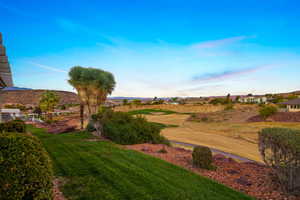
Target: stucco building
x,y
292,105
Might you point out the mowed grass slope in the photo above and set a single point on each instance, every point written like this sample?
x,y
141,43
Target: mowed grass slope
x,y
103,170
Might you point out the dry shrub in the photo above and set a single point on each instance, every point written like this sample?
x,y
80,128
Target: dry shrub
x,y
280,149
202,158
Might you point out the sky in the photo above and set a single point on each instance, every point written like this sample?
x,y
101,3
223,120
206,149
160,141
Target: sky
x,y
158,48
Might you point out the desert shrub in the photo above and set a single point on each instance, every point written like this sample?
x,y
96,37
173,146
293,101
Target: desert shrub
x,y
25,168
202,158
280,149
16,106
17,126
163,150
204,119
124,128
267,111
229,107
217,101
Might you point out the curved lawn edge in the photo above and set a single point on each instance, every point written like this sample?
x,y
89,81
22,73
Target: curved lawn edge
x,y
112,172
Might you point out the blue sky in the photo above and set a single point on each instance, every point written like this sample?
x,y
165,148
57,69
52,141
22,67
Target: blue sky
x,y
157,48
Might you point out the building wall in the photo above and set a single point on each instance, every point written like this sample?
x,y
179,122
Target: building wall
x,y
293,108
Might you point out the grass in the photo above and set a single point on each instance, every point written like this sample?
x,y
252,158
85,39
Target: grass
x,y
151,111
162,126
103,170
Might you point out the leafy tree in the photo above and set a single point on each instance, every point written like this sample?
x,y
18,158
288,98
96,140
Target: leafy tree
x,y
48,102
237,98
292,96
37,110
267,111
277,99
125,101
216,101
93,86
136,102
228,100
175,99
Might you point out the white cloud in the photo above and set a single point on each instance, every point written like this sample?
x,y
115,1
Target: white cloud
x,y
50,68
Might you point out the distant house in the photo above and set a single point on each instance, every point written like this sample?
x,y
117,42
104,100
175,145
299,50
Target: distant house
x,y
253,99
292,105
9,114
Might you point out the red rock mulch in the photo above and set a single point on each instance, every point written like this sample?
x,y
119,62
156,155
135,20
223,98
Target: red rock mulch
x,y
69,124
278,117
254,179
56,127
57,194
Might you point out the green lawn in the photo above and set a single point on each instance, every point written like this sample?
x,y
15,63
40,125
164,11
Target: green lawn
x,y
151,111
103,170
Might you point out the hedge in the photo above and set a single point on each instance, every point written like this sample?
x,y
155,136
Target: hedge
x,y
17,126
280,149
123,128
25,168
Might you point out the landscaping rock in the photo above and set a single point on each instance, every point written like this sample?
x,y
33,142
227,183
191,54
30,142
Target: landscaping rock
x,y
252,178
243,181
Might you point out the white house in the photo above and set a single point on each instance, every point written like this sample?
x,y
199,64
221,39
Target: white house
x,y
253,99
8,114
292,105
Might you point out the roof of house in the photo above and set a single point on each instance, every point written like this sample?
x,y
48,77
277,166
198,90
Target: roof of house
x,y
2,83
10,110
292,102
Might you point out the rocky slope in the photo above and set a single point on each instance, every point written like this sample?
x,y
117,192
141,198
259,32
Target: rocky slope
x,y
32,97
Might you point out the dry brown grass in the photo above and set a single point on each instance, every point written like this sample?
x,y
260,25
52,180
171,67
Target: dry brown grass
x,y
237,138
176,108
231,136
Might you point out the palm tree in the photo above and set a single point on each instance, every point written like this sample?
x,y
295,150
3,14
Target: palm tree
x,y
93,86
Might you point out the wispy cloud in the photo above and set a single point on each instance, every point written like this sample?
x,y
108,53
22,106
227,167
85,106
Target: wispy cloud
x,y
229,74
75,27
50,68
221,42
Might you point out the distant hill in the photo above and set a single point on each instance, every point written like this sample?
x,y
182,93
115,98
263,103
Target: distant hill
x,y
130,98
29,97
14,88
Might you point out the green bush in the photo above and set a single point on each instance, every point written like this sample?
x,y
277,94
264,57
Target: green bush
x,y
16,106
229,107
267,111
280,149
202,158
90,127
25,168
124,128
17,126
